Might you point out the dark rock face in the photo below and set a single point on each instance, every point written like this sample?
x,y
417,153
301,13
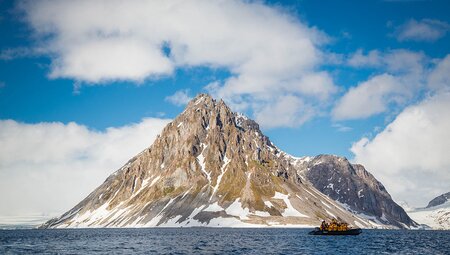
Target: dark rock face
x,y
439,200
354,186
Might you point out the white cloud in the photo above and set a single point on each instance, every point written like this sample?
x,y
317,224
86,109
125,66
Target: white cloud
x,y
46,168
393,61
371,97
181,97
405,74
269,53
410,156
288,111
359,59
341,128
109,59
439,78
19,52
428,30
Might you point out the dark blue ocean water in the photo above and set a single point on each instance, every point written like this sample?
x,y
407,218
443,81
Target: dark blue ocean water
x,y
219,241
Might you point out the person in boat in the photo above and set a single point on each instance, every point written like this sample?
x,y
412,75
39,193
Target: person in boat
x,y
343,226
323,226
334,226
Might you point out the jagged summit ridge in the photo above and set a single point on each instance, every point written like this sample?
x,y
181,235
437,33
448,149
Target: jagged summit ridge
x,y
209,167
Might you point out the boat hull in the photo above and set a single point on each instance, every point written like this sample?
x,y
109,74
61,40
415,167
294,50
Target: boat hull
x,y
350,232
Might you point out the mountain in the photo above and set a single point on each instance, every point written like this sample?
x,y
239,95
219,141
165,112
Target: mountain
x,y
356,188
213,167
439,200
437,213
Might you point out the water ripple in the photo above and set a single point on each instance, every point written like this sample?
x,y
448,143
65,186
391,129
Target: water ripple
x,y
219,241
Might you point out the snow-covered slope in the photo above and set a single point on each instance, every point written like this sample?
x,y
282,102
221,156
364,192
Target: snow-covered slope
x,y
436,217
209,167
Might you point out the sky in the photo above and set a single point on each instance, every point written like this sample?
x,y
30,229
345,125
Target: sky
x,y
85,85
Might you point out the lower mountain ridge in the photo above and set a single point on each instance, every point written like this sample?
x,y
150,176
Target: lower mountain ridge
x,y
213,167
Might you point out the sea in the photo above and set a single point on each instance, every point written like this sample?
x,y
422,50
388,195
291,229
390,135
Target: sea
x,y
219,241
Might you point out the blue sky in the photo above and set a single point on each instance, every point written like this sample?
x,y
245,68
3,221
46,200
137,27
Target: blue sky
x,y
382,53
28,95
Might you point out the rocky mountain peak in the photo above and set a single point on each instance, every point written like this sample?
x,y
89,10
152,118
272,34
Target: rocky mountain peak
x,y
201,101
212,166
203,106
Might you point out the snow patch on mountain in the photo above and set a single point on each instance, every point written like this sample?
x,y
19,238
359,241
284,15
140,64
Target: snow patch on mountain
x,y
213,208
290,210
236,209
